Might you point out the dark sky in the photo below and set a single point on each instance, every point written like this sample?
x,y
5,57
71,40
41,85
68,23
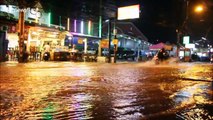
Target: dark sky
x,y
159,19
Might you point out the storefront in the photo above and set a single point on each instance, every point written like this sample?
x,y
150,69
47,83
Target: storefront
x,y
38,37
12,36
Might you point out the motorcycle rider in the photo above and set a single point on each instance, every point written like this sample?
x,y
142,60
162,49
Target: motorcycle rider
x,y
160,54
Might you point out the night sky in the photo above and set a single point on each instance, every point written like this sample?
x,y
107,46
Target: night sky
x,y
158,20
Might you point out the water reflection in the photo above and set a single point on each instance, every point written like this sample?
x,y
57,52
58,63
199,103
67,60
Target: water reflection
x,y
198,73
104,91
189,98
63,104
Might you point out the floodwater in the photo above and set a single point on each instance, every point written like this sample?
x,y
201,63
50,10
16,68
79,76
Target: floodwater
x,y
102,91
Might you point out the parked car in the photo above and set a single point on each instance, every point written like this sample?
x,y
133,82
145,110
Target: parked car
x,y
204,59
126,54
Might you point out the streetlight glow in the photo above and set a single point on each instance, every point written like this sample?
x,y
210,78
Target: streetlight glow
x,y
199,8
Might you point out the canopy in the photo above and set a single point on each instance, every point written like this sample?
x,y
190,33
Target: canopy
x,y
160,46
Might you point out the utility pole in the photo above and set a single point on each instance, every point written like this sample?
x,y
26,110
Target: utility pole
x,y
180,30
23,4
100,27
110,39
22,46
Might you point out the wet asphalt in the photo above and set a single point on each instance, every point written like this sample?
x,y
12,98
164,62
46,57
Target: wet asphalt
x,y
103,91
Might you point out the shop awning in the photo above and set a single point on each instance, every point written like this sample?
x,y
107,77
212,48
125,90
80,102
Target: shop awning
x,y
160,46
156,46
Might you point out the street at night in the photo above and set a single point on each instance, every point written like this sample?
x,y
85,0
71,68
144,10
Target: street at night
x,y
106,60
103,91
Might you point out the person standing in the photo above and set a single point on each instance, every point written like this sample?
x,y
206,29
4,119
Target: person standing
x,y
47,48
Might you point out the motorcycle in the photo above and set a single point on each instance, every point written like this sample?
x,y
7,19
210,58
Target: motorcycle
x,y
162,59
46,56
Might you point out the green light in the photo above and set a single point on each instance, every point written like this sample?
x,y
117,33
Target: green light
x,y
186,39
49,19
48,112
100,26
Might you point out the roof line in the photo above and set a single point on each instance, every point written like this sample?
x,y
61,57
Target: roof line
x,y
135,28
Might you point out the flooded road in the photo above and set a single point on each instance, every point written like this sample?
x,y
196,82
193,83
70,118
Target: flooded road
x,y
102,91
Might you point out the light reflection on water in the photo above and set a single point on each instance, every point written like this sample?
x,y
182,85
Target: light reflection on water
x,y
104,92
198,73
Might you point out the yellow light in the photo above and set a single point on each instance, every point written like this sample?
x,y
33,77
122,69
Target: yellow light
x,y
68,24
199,8
36,19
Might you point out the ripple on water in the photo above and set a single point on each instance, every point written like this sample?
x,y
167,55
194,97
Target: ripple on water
x,y
197,112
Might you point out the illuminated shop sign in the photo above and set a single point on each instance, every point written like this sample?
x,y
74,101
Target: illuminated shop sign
x,y
129,12
190,45
34,14
186,39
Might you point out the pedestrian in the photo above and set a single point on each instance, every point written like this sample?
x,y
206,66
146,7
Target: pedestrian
x,y
47,47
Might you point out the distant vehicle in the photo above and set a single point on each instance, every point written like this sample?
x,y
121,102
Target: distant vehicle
x,y
195,57
211,59
126,54
91,51
161,56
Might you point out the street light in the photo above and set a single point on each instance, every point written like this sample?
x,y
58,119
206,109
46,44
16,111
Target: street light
x,y
198,8
180,30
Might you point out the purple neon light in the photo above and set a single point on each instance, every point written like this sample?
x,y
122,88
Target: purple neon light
x,y
75,25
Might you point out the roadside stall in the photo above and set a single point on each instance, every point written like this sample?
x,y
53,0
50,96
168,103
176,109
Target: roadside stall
x,y
40,36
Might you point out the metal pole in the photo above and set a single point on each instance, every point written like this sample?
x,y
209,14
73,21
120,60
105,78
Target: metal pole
x,y
180,31
115,52
110,39
178,43
100,27
115,45
138,53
